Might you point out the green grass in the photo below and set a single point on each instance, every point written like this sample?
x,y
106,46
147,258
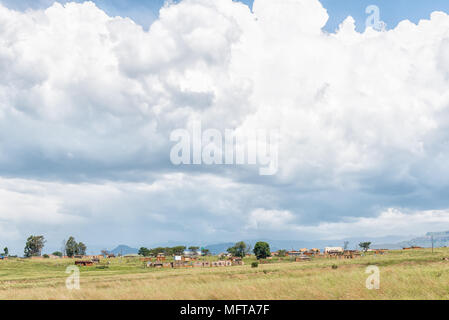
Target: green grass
x,y
418,274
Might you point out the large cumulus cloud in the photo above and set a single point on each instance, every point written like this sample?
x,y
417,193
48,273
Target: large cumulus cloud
x,y
88,101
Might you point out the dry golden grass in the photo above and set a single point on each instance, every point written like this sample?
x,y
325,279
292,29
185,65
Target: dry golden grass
x,y
404,275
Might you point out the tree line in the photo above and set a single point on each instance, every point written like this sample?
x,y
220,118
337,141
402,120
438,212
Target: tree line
x,y
35,244
5,252
241,249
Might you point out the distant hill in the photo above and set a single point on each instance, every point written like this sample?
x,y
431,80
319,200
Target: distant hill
x,y
124,249
219,247
440,239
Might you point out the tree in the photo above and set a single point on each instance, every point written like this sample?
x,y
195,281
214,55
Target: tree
x,y
6,251
193,248
81,249
177,251
155,251
364,245
282,253
34,246
57,253
262,250
205,252
71,247
144,252
238,250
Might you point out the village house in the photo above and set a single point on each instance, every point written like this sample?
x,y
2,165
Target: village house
x,y
333,250
351,254
221,263
302,258
236,261
293,253
380,251
84,263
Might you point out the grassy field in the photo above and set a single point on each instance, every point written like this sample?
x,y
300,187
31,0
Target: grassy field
x,y
418,274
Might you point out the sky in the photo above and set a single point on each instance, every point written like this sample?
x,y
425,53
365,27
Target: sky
x,y
144,12
92,93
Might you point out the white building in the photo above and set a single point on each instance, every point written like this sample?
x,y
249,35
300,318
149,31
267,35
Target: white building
x,y
333,250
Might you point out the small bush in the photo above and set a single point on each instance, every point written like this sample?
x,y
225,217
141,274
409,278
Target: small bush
x,y
254,264
334,266
46,256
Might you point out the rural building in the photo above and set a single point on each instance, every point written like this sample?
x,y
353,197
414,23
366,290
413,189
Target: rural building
x,y
157,264
197,264
221,263
333,250
293,253
351,254
237,261
302,258
84,263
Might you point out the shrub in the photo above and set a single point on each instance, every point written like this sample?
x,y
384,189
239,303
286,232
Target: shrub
x,y
262,250
334,266
254,264
46,256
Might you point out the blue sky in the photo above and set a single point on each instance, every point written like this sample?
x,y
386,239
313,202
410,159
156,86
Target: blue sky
x,y
391,12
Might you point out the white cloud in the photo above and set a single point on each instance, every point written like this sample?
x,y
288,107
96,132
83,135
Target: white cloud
x,y
389,222
108,93
269,219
